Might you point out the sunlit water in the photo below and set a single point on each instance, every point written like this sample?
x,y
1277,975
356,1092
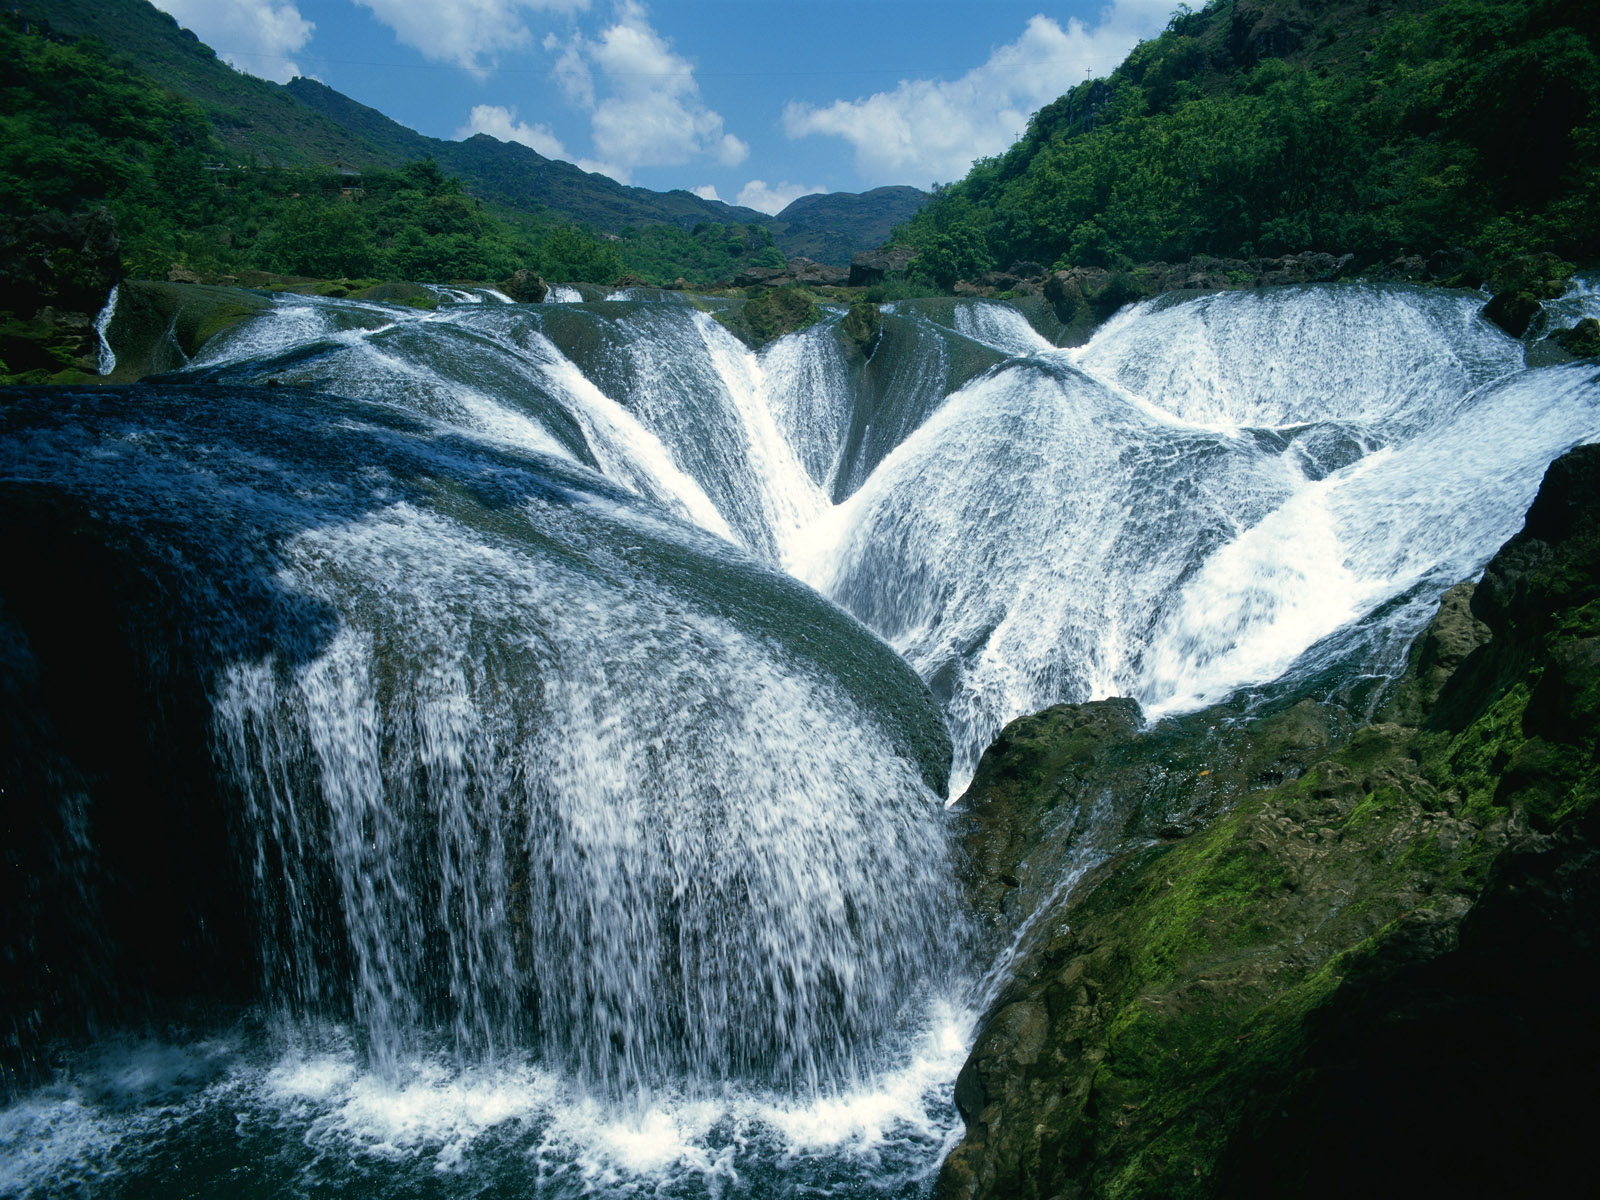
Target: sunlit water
x,y
747,978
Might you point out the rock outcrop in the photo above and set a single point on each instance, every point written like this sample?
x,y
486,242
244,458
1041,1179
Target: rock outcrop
x,y
526,287
56,271
1365,976
871,266
797,270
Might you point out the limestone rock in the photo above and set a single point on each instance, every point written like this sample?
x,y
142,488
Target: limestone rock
x,y
871,266
526,287
1320,980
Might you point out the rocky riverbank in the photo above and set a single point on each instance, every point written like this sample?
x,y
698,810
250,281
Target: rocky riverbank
x,y
1310,972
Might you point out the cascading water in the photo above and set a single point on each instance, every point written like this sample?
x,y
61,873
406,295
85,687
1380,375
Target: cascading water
x,y
577,844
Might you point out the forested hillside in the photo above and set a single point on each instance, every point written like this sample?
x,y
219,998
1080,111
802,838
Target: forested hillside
x,y
1253,127
308,124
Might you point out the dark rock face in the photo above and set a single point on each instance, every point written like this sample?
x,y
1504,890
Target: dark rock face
x,y
526,287
871,266
56,271
1332,971
1582,340
67,262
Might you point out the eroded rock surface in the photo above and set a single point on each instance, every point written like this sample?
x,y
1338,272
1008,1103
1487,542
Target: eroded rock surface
x,y
1372,977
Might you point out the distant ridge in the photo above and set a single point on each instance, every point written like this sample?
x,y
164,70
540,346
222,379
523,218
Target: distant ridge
x,y
831,227
307,123
512,174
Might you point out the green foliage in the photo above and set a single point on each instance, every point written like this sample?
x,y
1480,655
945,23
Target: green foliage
x,y
772,314
77,126
709,253
1471,123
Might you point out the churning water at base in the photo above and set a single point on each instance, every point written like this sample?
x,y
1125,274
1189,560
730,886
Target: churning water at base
x,y
579,849
211,1111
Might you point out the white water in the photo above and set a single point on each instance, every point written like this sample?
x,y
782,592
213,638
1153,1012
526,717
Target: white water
x,y
107,357
1074,523
1211,495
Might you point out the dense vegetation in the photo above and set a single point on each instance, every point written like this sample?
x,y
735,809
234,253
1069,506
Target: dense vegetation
x,y
306,123
1253,127
79,128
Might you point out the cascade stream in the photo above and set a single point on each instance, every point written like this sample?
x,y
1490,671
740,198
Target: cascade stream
x,y
521,733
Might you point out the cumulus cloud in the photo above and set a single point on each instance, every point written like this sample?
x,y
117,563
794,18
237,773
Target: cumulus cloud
x,y
502,123
467,33
926,130
706,191
258,36
773,199
643,102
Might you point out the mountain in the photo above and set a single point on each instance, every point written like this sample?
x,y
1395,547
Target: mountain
x,y
307,123
831,227
512,174
251,117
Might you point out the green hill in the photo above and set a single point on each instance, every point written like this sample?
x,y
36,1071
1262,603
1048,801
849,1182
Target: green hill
x,y
308,124
1254,127
830,228
253,119
512,174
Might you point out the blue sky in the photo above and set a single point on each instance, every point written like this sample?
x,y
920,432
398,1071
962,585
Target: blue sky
x,y
750,101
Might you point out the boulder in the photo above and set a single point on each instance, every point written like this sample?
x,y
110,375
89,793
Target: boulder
x,y
1582,340
760,276
525,287
1513,311
861,328
872,266
804,270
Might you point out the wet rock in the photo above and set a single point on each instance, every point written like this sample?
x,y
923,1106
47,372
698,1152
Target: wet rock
x,y
861,328
1326,973
871,266
1512,311
525,287
1582,340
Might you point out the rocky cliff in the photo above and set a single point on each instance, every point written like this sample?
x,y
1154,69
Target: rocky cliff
x,y
1306,971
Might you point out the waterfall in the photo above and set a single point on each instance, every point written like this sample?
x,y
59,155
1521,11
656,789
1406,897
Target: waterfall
x,y
1056,524
555,702
107,358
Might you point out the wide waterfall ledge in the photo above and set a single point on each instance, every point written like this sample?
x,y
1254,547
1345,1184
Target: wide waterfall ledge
x,y
510,738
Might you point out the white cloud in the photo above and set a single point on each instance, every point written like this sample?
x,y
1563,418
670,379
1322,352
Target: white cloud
x,y
706,191
502,123
926,130
257,36
774,199
643,102
468,33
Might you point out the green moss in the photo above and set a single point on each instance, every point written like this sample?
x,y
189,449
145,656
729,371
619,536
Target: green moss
x,y
1194,988
771,314
861,327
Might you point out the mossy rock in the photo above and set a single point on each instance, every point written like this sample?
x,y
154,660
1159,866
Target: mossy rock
x,y
1513,311
1582,340
159,327
770,315
861,328
396,291
1343,972
49,348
